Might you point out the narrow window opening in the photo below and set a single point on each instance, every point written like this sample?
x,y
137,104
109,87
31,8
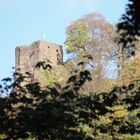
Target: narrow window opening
x,y
18,57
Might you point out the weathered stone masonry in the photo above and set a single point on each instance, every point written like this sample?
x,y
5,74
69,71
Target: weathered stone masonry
x,y
40,51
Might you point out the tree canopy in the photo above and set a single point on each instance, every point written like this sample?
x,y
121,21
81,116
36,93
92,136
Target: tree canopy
x,y
129,27
91,39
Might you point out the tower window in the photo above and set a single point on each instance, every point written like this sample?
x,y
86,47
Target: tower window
x,y
57,50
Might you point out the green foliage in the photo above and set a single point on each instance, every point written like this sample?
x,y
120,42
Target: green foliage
x,y
129,27
62,113
59,74
77,38
49,77
90,39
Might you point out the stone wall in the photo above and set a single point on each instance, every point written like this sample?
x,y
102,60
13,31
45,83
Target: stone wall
x,y
27,57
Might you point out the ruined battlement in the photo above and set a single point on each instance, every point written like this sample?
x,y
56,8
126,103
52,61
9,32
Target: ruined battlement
x,y
28,56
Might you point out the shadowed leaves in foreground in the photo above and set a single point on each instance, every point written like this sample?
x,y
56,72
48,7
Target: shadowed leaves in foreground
x,y
62,113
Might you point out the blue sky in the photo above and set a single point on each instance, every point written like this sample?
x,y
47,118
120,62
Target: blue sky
x,y
25,21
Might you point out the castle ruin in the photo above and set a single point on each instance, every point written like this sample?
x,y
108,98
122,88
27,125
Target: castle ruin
x,y
27,57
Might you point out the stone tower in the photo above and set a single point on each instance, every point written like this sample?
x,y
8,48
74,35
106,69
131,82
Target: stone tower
x,y
27,57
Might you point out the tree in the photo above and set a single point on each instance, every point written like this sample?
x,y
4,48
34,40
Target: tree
x,y
91,39
61,113
130,70
129,31
129,28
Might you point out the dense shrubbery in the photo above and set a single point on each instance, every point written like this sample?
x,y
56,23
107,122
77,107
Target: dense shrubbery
x,y
62,113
